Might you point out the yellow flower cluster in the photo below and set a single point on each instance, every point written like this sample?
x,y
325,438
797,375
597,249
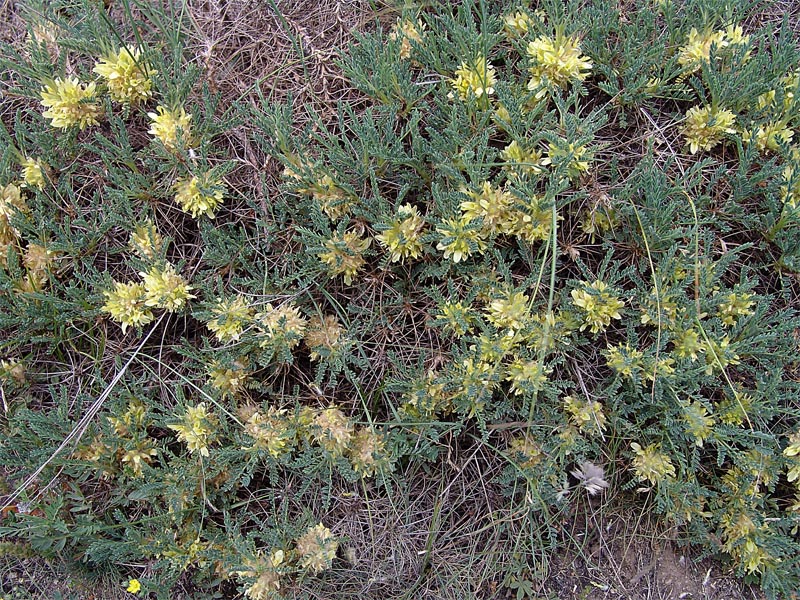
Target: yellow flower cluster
x,y
196,429
367,451
146,241
460,238
270,432
769,136
230,318
790,191
698,424
475,81
344,255
520,161
705,126
165,288
527,376
598,305
403,236
332,430
698,45
494,206
126,305
324,337
317,548
169,126
199,195
556,63
733,306
517,24
511,311
33,173
230,378
586,415
407,31
130,303
70,103
456,317
282,326
574,159
525,452
127,76
650,464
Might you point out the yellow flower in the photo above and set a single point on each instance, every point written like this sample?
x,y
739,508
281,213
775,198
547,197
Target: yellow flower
x,y
525,452
705,126
598,305
698,47
165,288
199,195
511,311
168,124
142,453
283,326
734,306
519,161
126,305
566,154
344,255
32,173
474,81
790,191
556,63
494,206
367,452
407,31
229,318
270,432
229,379
770,136
126,75
517,24
460,239
698,423
70,103
324,337
625,360
317,548
586,415
145,240
527,376
651,465
457,318
196,429
402,237
332,431
134,586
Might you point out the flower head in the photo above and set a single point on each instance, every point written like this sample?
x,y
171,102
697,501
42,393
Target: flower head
x,y
32,173
168,125
133,586
199,195
556,63
317,548
70,103
698,47
494,206
324,336
598,305
196,429
165,288
282,326
229,318
650,464
460,239
127,76
705,127
146,241
517,24
474,81
344,255
402,237
332,431
586,415
270,431
367,451
126,305
510,311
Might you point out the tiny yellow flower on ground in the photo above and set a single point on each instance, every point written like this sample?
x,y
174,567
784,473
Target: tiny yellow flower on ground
x,y
126,305
168,125
126,75
70,103
165,288
556,63
199,195
134,587
32,173
705,127
474,81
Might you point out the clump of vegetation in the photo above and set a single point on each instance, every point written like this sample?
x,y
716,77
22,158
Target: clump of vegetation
x,y
563,236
